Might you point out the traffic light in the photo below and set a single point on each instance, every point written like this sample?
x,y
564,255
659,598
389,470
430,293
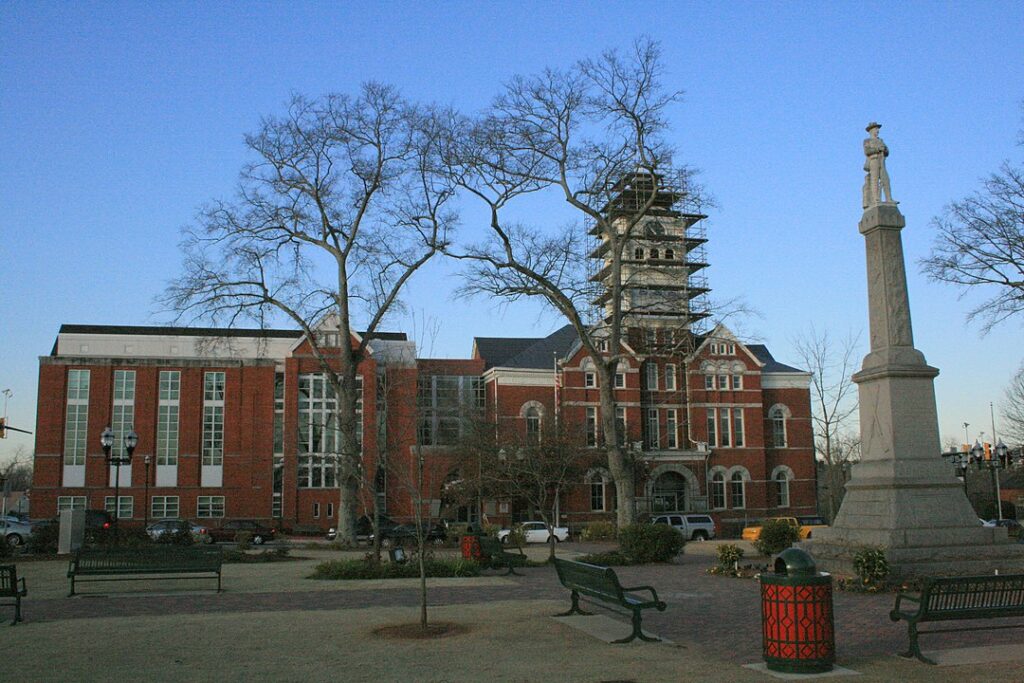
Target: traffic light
x,y
3,427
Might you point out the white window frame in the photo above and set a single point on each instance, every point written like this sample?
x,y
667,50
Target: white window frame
x,y
724,427
711,422
213,418
623,426
672,428
739,435
735,477
718,491
670,377
651,376
70,503
653,429
207,507
781,480
330,510
591,426
737,382
165,507
709,382
589,379
316,510
122,419
620,380
168,417
779,418
126,506
76,425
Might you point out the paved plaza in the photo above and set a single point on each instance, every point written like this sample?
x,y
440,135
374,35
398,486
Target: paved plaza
x,y
271,623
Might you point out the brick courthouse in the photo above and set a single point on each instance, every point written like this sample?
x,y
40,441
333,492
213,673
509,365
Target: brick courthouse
x,y
239,423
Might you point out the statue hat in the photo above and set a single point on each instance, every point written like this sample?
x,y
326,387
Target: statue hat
x,y
873,124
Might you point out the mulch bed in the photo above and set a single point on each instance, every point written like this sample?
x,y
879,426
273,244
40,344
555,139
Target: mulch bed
x,y
441,629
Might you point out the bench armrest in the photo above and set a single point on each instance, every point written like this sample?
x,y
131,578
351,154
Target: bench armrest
x,y
654,593
894,614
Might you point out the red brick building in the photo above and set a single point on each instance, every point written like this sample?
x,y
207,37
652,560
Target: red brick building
x,y
237,424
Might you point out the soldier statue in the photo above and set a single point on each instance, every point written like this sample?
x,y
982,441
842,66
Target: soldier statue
x,y
876,179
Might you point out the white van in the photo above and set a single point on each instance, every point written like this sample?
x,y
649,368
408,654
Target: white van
x,y
692,527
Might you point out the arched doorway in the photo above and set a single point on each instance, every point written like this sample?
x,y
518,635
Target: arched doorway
x,y
669,493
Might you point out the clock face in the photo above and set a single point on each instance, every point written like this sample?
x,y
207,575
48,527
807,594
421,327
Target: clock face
x,y
654,229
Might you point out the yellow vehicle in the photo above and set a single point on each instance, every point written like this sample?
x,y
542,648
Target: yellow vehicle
x,y
806,525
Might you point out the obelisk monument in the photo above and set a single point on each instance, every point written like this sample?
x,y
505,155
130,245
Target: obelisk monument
x,y
902,496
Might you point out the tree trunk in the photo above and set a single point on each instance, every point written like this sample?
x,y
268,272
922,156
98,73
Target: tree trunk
x,y
620,463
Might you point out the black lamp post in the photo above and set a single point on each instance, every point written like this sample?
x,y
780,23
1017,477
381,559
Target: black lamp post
x,y
961,460
145,461
131,440
998,461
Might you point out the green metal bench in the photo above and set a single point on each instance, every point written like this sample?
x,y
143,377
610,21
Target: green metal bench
x,y
601,583
9,589
960,597
156,562
492,549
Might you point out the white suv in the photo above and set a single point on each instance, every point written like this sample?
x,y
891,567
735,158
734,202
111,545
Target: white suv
x,y
692,527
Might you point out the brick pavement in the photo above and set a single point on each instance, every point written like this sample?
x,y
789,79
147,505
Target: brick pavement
x,y
719,615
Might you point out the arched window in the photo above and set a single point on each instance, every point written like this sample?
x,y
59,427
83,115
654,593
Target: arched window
x,y
737,491
532,425
669,493
782,489
654,253
718,491
669,254
778,415
597,481
638,254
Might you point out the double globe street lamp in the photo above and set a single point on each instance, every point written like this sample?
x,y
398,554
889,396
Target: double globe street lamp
x,y
998,461
131,440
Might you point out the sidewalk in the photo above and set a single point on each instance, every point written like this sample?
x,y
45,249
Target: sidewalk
x,y
272,623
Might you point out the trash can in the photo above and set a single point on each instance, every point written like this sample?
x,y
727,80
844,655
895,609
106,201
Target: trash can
x,y
796,615
470,545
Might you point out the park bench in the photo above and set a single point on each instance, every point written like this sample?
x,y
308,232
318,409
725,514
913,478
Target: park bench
x,y
154,562
601,583
960,597
492,549
9,589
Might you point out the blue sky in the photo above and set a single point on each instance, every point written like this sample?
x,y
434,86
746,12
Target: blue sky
x,y
118,120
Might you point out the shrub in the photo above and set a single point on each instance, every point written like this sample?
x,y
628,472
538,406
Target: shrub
x,y
729,555
244,540
612,558
599,531
776,536
517,536
491,530
43,540
645,543
179,537
370,569
5,548
871,566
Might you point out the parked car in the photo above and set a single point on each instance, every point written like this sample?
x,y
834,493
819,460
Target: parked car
x,y
537,532
364,527
15,532
259,533
1013,527
405,534
692,527
805,525
167,527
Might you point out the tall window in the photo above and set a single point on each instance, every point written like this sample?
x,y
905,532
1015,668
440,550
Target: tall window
x,y
723,417
782,489
591,426
778,419
723,382
124,408
709,382
319,436
671,428
653,436
533,425
718,491
597,493
76,424
277,482
712,441
213,418
444,403
167,418
620,423
737,381
638,254
620,380
670,377
589,380
651,376
737,491
737,427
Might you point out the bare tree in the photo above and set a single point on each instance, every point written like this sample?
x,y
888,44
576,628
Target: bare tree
x,y
342,205
18,470
591,134
980,244
1013,410
834,405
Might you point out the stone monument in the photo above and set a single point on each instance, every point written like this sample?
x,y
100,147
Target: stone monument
x,y
902,496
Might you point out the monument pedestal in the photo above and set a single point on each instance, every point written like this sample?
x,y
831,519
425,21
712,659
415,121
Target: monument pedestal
x,y
902,496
